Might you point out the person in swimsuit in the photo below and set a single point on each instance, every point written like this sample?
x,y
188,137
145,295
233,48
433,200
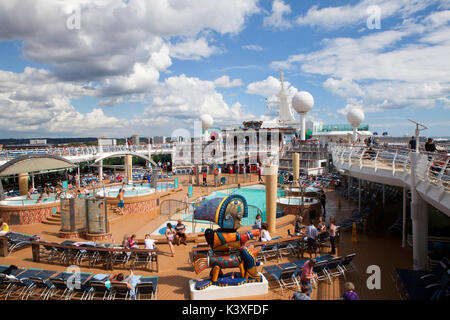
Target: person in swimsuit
x,y
121,202
170,236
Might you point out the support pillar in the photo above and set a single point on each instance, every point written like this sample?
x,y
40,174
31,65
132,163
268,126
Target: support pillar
x,y
419,218
129,167
270,173
359,196
296,166
384,194
100,171
23,183
404,219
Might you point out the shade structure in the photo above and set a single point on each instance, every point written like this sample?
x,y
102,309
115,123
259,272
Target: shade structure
x,y
34,163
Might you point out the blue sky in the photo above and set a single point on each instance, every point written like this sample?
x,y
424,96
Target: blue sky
x,y
150,67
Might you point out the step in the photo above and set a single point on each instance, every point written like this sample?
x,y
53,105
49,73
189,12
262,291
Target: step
x,y
54,223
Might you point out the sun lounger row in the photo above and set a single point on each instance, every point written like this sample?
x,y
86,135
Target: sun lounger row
x,y
326,267
70,252
424,285
22,283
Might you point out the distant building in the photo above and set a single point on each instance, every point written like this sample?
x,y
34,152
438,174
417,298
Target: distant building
x,y
135,139
38,141
159,139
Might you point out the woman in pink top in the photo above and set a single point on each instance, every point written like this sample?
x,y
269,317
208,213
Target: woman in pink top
x,y
332,231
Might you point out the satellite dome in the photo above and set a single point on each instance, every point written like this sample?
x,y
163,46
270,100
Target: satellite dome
x,y
207,121
355,117
302,102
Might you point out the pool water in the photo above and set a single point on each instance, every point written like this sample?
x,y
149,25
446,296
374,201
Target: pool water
x,y
255,196
21,200
135,190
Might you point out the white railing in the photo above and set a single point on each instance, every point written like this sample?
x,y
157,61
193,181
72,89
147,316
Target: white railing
x,y
432,168
7,155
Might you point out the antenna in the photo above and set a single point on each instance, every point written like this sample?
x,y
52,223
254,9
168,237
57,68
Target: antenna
x,y
418,124
417,132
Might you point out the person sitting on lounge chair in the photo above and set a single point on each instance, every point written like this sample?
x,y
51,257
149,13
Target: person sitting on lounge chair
x,y
265,235
4,228
129,282
180,235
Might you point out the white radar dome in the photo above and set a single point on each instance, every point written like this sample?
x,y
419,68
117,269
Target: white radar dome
x,y
207,121
355,117
302,102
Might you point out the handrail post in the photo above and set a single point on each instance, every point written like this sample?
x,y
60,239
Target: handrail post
x,y
441,174
393,162
361,158
376,158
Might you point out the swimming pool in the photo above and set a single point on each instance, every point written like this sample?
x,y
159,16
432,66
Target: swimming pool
x,y
22,201
255,196
135,190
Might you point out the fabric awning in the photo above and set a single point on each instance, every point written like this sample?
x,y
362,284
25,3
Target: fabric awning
x,y
34,163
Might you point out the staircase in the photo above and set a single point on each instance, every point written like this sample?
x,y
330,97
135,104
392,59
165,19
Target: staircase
x,y
54,219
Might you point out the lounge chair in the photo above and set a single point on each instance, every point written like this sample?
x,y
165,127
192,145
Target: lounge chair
x,y
434,291
347,265
269,250
420,278
285,278
332,269
60,290
97,287
141,259
147,287
41,285
286,248
18,240
119,291
20,284
320,268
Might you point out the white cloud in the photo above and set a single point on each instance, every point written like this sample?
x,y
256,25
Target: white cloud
x,y
224,81
276,18
332,18
193,49
252,47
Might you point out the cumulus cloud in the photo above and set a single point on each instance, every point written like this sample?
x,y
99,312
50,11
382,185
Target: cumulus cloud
x,y
116,53
332,18
224,81
276,19
390,69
